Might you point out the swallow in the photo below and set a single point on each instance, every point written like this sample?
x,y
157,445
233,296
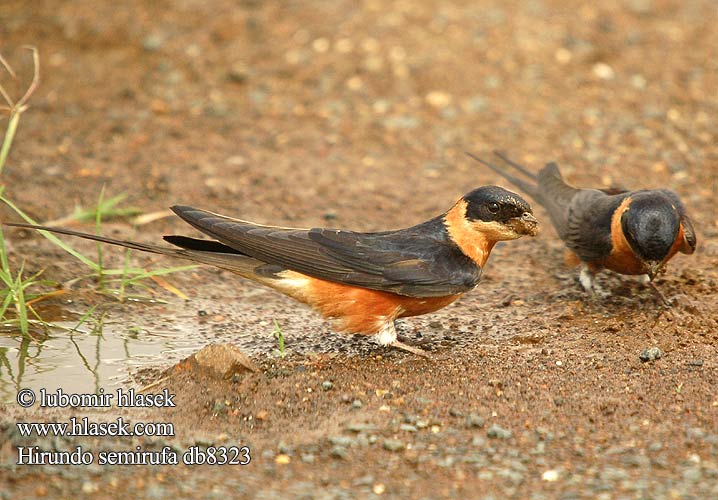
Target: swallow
x,y
362,281
628,232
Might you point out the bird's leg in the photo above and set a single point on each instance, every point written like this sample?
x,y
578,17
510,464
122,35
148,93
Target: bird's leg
x,y
644,279
587,279
387,336
666,302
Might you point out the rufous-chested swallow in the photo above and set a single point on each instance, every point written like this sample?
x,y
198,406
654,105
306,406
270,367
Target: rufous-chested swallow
x,y
629,232
364,281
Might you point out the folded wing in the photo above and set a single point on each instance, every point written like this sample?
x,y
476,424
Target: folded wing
x,y
419,261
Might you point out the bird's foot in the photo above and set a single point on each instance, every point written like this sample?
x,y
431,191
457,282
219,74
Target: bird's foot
x,y
587,278
387,336
660,294
410,348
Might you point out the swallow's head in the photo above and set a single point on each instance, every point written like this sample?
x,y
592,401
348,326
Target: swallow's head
x,y
499,214
651,225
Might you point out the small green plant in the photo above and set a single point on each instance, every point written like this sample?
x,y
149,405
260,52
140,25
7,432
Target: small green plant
x,y
106,209
20,292
280,341
17,294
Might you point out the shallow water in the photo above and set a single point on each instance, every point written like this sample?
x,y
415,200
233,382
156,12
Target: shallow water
x,y
84,360
147,335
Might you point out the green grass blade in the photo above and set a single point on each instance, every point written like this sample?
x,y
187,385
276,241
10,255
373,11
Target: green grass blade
x,y
57,241
5,304
98,226
9,136
20,305
3,252
83,319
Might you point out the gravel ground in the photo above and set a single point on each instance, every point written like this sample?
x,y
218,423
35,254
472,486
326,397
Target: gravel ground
x,y
357,115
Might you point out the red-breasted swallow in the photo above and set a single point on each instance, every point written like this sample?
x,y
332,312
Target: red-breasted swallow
x,y
364,281
629,232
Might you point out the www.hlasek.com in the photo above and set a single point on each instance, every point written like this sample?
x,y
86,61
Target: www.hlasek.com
x,y
84,427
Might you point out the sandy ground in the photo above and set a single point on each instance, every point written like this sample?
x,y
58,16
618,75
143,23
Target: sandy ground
x,y
356,115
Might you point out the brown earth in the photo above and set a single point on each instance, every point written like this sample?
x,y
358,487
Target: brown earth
x,y
356,115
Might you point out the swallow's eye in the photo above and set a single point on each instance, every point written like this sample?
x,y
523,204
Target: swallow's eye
x,y
493,207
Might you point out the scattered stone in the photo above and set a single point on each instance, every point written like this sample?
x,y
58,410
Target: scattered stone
x,y
438,99
238,73
474,421
498,432
650,354
357,403
219,361
475,104
343,441
408,428
478,441
693,474
339,452
455,413
550,475
410,419
327,385
282,459
695,433
88,487
152,43
603,71
360,427
393,445
611,474
655,446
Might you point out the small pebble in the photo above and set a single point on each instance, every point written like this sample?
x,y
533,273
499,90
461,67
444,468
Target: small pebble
x,y
327,385
475,421
152,43
343,441
89,487
393,445
603,71
498,432
339,452
650,354
438,99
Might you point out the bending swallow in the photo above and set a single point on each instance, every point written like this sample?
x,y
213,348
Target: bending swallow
x,y
364,281
629,232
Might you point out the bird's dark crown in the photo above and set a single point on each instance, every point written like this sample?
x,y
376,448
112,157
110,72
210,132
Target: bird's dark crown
x,y
650,225
493,203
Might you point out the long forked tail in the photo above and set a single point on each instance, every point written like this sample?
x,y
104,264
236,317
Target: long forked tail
x,y
201,251
529,187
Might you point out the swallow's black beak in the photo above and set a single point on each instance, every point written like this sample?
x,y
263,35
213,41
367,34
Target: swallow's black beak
x,y
526,224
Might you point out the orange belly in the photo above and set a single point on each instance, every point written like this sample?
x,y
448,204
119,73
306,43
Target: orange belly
x,y
356,309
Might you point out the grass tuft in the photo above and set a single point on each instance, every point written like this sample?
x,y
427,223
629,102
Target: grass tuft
x,y
19,293
281,352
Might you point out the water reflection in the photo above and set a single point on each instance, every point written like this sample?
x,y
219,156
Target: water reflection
x,y
84,359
